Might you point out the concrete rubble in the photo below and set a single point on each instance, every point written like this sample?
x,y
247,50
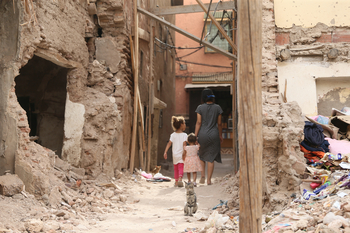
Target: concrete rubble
x,y
73,203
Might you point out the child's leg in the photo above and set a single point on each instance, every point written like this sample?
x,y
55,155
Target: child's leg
x,y
189,177
176,173
181,170
194,177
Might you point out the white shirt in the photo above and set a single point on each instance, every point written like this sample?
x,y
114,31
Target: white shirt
x,y
178,140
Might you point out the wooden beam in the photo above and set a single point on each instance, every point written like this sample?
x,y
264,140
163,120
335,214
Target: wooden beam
x,y
136,87
219,27
141,120
150,98
179,30
173,10
250,115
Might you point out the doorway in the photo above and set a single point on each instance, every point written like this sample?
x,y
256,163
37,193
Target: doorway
x,y
41,92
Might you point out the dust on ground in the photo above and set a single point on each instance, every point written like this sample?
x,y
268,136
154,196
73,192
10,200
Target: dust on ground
x,y
133,204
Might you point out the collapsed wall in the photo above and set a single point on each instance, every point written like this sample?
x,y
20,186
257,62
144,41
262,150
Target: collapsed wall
x,y
84,48
283,163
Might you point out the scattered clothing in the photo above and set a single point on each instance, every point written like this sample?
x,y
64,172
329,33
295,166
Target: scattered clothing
x,y
313,134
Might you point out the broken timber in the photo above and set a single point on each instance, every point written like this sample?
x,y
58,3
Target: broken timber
x,y
179,30
173,10
218,26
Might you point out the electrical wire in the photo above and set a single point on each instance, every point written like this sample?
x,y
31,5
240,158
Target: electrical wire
x,y
202,64
211,22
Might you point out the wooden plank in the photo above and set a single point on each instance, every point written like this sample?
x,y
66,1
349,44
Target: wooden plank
x,y
173,10
179,30
234,106
222,31
140,110
250,114
150,98
136,87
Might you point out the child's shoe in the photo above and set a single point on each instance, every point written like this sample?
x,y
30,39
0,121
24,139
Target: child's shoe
x,y
194,184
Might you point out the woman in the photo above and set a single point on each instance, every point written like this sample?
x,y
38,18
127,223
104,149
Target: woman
x,y
209,131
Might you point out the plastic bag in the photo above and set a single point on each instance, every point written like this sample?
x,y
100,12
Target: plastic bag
x,y
216,220
323,120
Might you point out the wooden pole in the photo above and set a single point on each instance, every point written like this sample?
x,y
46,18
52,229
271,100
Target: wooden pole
x,y
150,98
250,114
189,35
222,31
136,86
185,9
234,103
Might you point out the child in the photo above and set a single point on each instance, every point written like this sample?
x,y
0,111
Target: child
x,y
192,161
178,141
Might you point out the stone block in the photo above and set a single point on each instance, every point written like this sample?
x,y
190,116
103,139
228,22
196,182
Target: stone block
x,y
34,225
299,167
10,185
107,50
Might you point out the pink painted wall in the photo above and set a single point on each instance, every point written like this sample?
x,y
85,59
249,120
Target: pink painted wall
x,y
181,96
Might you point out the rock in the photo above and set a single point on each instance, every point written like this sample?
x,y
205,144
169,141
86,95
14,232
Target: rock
x,y
101,218
60,213
330,217
336,224
108,51
302,224
123,198
346,208
34,225
66,227
10,185
55,197
108,193
79,171
50,226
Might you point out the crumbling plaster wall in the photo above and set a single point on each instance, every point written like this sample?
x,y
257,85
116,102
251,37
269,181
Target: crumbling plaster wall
x,y
283,163
99,90
311,47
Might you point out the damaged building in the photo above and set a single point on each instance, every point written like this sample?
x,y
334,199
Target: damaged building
x,y
67,87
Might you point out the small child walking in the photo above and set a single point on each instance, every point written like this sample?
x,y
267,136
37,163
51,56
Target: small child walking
x,y
178,141
191,158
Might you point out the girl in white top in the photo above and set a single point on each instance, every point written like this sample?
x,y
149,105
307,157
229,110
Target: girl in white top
x,y
178,141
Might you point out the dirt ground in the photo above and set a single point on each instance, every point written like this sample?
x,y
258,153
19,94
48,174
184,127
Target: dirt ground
x,y
160,206
149,207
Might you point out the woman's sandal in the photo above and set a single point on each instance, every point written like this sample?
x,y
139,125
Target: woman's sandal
x,y
202,181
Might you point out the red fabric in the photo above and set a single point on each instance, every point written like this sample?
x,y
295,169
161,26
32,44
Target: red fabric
x,y
312,155
178,171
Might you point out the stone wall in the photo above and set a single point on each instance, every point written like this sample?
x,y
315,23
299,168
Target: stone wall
x,y
91,41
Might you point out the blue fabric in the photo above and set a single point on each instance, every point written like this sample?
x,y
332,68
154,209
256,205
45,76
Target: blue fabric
x,y
313,134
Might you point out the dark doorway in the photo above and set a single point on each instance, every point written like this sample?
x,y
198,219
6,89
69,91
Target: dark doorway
x,y
41,91
222,98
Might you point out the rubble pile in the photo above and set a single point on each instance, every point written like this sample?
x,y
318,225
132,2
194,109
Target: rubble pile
x,y
73,203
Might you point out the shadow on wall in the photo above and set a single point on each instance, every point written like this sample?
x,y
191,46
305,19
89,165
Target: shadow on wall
x,y
41,91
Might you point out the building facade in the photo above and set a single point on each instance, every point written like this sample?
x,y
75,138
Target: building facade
x,y
67,86
198,67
